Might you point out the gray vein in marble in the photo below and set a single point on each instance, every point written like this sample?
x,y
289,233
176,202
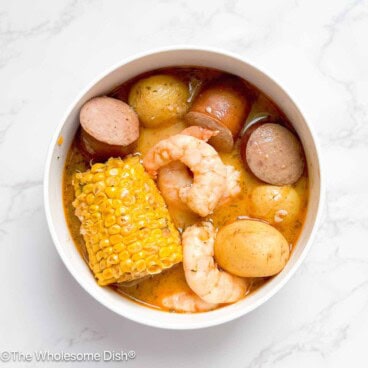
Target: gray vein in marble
x,y
12,211
316,336
7,118
10,35
85,335
355,133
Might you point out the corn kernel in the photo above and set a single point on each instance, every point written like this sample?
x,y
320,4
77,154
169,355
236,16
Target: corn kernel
x,y
94,208
139,255
140,266
98,177
116,238
99,188
164,252
104,243
107,251
114,229
166,262
126,266
110,220
134,248
112,181
119,247
153,268
102,264
94,239
116,203
113,172
97,168
124,255
113,259
96,216
107,273
120,212
90,199
151,249
128,200
96,268
116,271
111,192
100,198
99,256
126,229
88,188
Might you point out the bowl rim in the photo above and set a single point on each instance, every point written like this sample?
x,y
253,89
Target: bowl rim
x,y
58,243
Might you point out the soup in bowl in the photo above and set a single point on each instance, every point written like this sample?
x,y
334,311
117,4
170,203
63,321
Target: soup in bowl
x,y
183,187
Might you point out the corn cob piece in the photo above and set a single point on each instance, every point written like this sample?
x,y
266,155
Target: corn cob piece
x,y
125,223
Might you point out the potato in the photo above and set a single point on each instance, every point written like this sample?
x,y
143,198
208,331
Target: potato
x,y
251,248
276,205
159,100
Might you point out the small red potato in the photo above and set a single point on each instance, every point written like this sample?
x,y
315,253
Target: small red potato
x,y
251,248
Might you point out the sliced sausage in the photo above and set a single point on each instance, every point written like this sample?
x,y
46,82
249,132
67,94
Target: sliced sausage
x,y
110,127
223,140
223,106
274,154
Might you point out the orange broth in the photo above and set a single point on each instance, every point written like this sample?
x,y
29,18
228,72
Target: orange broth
x,y
150,291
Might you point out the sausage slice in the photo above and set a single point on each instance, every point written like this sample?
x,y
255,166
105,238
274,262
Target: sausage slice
x,y
274,154
223,106
110,127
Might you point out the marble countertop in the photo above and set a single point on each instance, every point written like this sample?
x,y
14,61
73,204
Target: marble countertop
x,y
318,50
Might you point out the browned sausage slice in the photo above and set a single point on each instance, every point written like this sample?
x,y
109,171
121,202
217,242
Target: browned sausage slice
x,y
110,127
274,154
224,106
223,141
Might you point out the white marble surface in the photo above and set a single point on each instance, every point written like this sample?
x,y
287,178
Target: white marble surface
x,y
318,50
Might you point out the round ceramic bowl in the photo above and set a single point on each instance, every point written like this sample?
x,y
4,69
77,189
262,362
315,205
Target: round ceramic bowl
x,y
178,56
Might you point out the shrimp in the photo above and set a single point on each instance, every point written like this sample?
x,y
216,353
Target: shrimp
x,y
209,173
232,187
170,179
201,272
176,175
188,302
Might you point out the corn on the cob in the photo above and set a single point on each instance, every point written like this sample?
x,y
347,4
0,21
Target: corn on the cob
x,y
125,223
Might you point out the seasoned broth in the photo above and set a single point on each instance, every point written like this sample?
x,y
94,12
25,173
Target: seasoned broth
x,y
151,290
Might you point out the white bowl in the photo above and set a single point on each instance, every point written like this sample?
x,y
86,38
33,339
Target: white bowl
x,y
127,69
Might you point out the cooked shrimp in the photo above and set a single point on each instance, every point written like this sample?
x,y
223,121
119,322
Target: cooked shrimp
x,y
174,176
232,187
170,179
201,272
209,173
188,302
